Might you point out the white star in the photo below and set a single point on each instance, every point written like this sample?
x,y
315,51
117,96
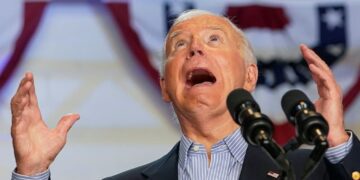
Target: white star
x,y
333,18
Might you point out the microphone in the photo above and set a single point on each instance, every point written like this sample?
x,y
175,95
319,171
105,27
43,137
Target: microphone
x,y
256,127
310,126
246,112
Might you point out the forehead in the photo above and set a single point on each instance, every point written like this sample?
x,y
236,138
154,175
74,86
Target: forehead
x,y
199,23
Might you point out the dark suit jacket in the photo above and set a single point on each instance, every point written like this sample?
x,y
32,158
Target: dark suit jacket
x,y
256,166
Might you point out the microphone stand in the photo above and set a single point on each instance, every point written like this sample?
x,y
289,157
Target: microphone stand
x,y
321,145
257,130
276,153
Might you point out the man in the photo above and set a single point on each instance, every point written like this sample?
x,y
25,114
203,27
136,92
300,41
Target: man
x,y
206,57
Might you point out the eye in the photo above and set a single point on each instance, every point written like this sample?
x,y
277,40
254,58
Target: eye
x,y
214,38
180,44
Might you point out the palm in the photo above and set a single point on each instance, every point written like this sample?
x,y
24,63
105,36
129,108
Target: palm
x,y
329,103
35,145
328,109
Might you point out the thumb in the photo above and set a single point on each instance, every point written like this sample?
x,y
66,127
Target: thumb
x,y
66,122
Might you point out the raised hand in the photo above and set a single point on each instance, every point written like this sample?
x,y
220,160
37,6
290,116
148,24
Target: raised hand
x,y
35,145
329,103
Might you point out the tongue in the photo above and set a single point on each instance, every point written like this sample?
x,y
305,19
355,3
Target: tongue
x,y
200,77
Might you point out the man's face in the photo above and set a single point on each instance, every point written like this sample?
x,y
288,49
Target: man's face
x,y
204,63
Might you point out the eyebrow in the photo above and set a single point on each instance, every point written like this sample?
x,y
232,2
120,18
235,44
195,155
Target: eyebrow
x,y
215,28
176,33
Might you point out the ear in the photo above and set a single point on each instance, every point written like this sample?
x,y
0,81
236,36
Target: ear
x,y
251,77
164,93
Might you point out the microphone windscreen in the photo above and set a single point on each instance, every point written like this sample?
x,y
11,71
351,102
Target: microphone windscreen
x,y
291,99
236,98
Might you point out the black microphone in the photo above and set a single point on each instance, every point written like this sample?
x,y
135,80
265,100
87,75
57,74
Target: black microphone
x,y
310,126
256,127
246,112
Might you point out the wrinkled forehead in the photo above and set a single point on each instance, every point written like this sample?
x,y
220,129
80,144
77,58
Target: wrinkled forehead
x,y
197,23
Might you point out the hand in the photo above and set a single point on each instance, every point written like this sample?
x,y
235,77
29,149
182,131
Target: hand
x,y
35,145
329,103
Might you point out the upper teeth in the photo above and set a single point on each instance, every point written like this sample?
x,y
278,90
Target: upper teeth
x,y
190,76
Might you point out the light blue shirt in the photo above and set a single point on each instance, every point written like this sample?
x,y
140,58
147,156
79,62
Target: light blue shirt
x,y
227,157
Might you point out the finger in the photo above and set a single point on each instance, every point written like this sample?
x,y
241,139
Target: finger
x,y
24,79
23,87
18,111
66,122
326,85
21,98
21,91
32,93
318,77
312,58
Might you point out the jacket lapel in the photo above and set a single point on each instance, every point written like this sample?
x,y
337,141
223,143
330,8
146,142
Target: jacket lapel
x,y
258,165
165,168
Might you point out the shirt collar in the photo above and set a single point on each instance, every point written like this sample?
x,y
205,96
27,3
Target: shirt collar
x,y
235,143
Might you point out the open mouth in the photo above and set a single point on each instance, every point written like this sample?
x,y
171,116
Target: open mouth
x,y
199,76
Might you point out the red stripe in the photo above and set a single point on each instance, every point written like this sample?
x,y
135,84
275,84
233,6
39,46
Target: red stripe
x,y
258,16
33,12
121,15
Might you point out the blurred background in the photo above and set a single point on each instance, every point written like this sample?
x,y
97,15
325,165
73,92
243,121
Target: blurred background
x,y
100,59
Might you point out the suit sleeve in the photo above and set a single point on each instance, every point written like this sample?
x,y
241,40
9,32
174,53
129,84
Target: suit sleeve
x,y
349,164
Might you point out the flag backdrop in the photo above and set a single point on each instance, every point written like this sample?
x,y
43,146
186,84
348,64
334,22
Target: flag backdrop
x,y
101,58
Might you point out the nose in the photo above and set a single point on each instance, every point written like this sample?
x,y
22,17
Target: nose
x,y
196,48
194,52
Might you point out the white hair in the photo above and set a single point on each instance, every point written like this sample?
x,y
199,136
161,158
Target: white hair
x,y
244,45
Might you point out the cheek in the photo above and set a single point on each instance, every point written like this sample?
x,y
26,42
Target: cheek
x,y
179,53
233,69
223,59
239,74
173,68
172,74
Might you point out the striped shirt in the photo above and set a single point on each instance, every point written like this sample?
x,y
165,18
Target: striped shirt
x,y
41,176
227,157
